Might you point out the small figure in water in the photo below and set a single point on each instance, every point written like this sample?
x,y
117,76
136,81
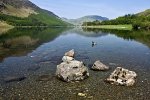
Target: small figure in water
x,y
93,43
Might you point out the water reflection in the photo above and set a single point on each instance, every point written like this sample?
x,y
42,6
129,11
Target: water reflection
x,y
140,35
85,33
3,30
114,48
18,42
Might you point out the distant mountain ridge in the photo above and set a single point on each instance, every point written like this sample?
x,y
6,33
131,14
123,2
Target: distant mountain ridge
x,y
136,21
27,13
89,18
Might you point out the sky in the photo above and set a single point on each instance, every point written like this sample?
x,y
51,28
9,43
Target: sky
x,y
107,8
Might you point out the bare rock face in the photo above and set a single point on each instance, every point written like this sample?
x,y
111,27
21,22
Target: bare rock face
x,y
70,53
99,66
20,3
2,6
72,71
122,76
67,59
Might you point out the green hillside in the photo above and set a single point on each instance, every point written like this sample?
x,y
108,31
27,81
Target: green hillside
x,y
44,17
25,13
145,13
138,21
41,19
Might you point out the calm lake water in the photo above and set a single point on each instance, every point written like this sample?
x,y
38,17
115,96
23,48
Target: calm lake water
x,y
34,54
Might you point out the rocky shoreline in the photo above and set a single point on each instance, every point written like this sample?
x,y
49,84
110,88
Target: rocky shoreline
x,y
73,70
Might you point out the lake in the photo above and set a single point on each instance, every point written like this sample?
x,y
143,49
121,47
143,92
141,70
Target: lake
x,y
33,54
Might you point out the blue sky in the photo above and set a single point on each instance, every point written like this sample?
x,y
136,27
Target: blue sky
x,y
107,8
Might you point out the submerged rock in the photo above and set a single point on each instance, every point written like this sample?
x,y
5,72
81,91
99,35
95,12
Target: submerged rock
x,y
14,78
44,78
72,71
99,66
70,53
67,59
122,76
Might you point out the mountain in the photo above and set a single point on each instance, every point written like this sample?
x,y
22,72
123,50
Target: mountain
x,y
140,20
145,13
25,13
89,18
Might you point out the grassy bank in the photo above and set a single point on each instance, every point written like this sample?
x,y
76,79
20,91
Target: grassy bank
x,y
117,27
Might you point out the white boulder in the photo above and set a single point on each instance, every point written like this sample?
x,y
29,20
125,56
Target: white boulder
x,y
72,71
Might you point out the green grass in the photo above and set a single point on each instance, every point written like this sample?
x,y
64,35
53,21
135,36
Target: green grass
x,y
47,19
117,27
40,19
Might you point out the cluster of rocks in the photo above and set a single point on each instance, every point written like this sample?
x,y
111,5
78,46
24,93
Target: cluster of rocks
x,y
71,69
74,70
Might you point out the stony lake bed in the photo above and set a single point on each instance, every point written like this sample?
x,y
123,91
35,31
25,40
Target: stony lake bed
x,y
32,56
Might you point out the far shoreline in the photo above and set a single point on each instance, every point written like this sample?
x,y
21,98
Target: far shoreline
x,y
118,27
